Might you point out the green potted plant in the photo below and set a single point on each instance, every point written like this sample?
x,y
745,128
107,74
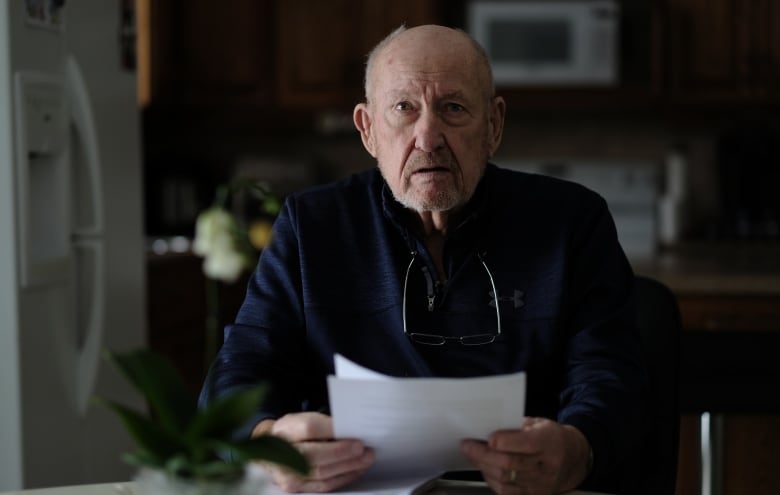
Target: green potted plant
x,y
186,450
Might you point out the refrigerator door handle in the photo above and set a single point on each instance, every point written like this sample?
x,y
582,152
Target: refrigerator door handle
x,y
86,234
87,137
90,295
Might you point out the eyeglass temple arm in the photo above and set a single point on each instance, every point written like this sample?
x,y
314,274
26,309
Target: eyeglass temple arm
x,y
493,285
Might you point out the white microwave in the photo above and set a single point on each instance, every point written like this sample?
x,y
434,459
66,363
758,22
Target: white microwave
x,y
548,42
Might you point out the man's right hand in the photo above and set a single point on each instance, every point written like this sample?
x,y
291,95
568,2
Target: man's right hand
x,y
334,463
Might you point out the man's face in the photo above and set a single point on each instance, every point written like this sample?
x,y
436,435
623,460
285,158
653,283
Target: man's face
x,y
430,121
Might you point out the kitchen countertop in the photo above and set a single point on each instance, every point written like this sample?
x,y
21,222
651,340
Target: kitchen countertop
x,y
694,268
736,268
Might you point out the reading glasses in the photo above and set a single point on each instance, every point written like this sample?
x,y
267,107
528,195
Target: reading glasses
x,y
467,340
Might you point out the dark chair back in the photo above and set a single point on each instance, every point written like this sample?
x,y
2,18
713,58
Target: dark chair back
x,y
660,327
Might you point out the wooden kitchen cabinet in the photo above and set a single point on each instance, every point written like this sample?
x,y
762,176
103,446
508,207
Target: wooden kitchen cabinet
x,y
721,51
268,54
308,55
322,46
207,53
729,351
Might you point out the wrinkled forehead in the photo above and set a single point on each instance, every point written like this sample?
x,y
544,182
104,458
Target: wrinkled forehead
x,y
404,81
448,61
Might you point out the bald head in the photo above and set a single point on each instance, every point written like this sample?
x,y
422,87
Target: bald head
x,y
430,46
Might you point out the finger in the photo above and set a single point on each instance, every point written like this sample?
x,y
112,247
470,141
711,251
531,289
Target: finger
x,y
482,455
505,488
331,451
320,486
298,427
325,467
473,449
500,466
530,438
321,477
336,477
514,471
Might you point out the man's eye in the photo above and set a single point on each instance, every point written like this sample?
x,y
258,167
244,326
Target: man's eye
x,y
403,106
454,107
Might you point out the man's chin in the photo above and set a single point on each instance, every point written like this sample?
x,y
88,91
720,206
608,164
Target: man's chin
x,y
436,203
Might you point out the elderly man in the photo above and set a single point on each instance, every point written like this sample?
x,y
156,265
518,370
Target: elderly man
x,y
400,269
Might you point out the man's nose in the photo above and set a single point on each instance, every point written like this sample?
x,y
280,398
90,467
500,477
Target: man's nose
x,y
428,132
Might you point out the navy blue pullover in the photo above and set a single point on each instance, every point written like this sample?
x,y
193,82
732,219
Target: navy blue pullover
x,y
331,281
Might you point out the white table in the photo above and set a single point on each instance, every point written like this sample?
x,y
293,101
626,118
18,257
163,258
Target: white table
x,y
124,488
130,488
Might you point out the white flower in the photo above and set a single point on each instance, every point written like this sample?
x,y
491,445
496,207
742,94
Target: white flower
x,y
224,264
215,232
211,227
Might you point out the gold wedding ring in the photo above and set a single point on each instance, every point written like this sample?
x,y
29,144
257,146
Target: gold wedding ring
x,y
512,476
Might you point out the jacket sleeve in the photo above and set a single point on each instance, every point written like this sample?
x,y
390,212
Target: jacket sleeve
x,y
266,344
605,379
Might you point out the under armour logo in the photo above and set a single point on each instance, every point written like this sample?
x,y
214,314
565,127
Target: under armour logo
x,y
516,298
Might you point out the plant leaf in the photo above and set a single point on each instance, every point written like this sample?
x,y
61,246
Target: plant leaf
x,y
180,465
219,470
144,458
225,414
271,205
147,434
269,448
161,385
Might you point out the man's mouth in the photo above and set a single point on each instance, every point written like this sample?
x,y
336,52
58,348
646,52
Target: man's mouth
x,y
428,170
430,164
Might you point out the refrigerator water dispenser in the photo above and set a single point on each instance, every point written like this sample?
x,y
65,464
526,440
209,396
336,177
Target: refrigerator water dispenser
x,y
43,179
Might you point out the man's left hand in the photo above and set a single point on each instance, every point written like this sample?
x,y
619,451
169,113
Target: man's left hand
x,y
542,457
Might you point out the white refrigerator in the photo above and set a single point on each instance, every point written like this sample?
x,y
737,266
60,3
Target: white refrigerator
x,y
71,240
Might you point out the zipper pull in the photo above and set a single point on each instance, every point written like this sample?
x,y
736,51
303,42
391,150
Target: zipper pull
x,y
429,285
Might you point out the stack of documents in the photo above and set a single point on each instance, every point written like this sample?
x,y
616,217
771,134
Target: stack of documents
x,y
415,425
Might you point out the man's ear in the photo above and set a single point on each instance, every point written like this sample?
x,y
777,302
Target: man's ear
x,y
362,118
496,123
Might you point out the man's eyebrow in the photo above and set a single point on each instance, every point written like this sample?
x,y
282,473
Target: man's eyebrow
x,y
454,95
397,95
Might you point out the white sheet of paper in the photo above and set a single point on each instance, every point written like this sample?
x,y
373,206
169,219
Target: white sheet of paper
x,y
415,425
375,486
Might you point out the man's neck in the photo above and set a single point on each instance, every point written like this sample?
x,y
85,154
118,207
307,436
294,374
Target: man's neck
x,y
432,224
432,228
